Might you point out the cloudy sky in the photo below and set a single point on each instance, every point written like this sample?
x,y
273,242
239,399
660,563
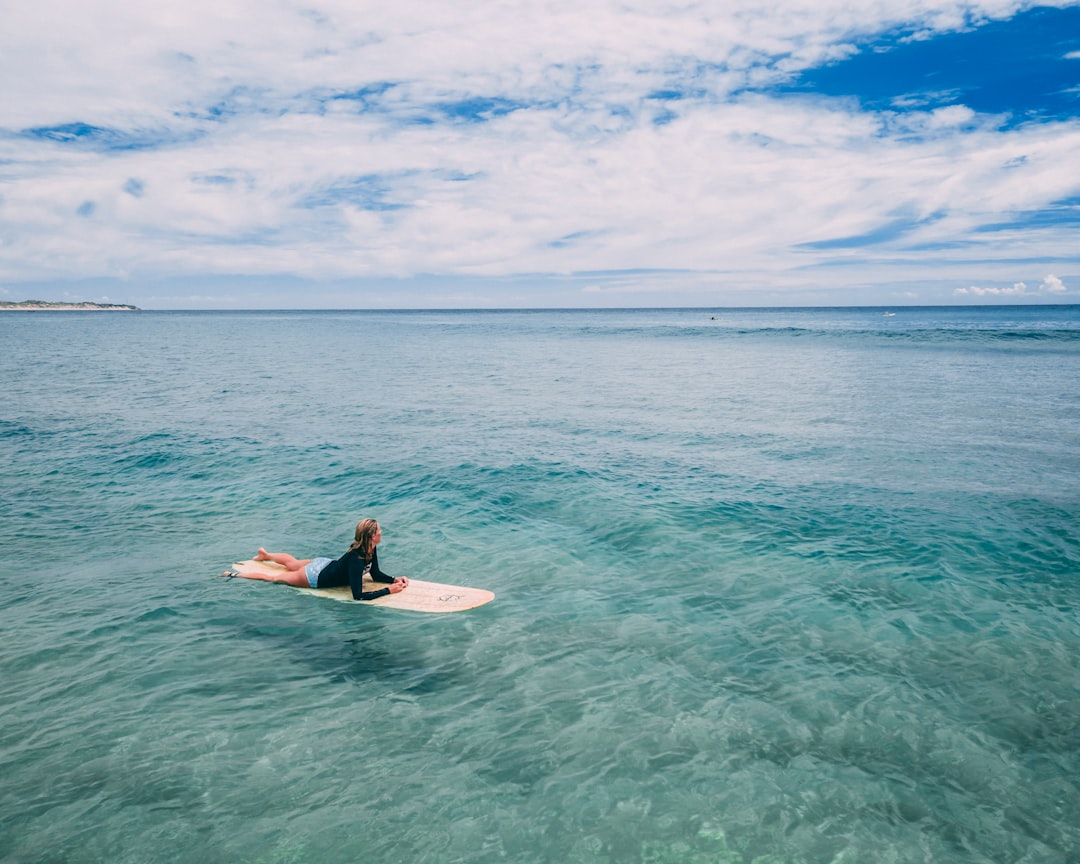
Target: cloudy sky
x,y
354,154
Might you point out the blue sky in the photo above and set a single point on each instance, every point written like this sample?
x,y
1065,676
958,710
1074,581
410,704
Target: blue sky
x,y
277,154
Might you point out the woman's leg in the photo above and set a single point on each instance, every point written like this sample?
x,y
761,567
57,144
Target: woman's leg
x,y
298,578
292,572
283,558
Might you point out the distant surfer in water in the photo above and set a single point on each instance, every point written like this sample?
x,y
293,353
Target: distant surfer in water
x,y
362,560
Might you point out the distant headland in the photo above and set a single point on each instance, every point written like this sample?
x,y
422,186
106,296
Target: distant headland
x,y
50,306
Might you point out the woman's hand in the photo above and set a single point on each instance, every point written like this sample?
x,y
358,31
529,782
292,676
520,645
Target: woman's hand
x,y
399,584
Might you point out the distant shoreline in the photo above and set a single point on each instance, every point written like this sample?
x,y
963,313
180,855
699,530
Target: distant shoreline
x,y
50,306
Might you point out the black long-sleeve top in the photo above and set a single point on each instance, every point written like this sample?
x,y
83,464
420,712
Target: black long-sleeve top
x,y
349,570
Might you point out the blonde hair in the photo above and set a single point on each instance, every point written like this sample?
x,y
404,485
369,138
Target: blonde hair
x,y
366,529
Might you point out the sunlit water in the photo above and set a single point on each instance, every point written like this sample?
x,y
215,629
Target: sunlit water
x,y
772,586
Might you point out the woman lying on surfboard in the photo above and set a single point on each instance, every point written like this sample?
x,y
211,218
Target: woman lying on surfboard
x,y
350,569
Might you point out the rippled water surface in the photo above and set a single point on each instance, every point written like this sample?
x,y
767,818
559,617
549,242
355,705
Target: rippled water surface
x,y
772,586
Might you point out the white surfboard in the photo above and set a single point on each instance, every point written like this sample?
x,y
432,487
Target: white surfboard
x,y
420,596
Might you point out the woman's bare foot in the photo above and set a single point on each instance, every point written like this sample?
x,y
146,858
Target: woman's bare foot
x,y
262,555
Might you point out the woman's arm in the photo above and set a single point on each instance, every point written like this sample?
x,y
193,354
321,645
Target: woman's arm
x,y
356,580
377,574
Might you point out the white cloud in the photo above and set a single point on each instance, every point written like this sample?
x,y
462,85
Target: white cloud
x,y
1016,290
322,140
1050,285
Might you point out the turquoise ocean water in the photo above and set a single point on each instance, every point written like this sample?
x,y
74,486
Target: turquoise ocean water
x,y
772,586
